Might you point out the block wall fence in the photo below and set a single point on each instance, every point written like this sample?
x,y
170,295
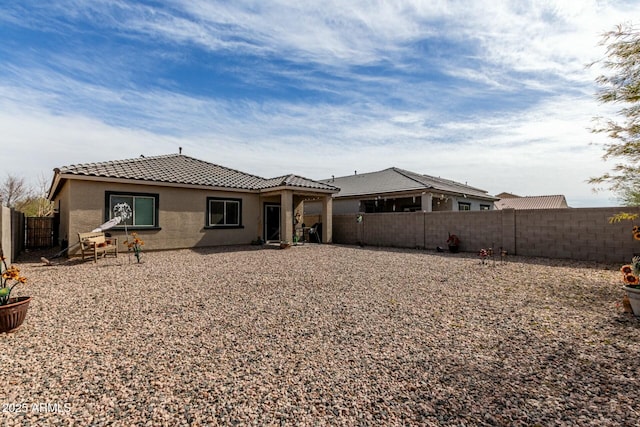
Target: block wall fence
x,y
5,233
11,233
574,233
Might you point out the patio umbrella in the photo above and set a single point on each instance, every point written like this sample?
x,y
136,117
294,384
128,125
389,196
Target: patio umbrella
x,y
107,225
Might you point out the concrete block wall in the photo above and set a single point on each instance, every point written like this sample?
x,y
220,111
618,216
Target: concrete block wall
x,y
345,229
583,234
576,233
399,230
476,229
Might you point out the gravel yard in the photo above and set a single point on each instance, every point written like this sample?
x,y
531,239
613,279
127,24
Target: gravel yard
x,y
321,335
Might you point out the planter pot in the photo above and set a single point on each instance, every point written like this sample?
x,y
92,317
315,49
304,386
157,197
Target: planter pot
x,y
454,249
12,315
634,299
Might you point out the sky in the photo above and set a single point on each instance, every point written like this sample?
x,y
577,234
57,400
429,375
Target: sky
x,y
496,94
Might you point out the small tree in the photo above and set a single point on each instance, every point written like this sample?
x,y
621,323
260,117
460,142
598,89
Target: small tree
x,y
622,87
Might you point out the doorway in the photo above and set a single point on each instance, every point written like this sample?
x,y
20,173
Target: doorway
x,y
271,222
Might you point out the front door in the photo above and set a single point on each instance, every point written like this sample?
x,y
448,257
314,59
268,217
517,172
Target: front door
x,y
271,222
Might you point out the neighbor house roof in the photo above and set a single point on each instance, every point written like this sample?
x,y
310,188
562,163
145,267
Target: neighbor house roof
x,y
505,195
393,180
532,202
185,170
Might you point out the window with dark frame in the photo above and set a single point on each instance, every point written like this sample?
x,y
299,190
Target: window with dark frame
x,y
463,206
485,207
144,208
224,212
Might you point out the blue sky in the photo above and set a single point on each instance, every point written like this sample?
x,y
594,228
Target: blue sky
x,y
493,93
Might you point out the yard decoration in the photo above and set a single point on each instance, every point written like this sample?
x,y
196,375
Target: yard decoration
x,y
486,253
135,243
123,210
12,310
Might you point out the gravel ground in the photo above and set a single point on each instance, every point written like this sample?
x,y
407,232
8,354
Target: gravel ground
x,y
321,335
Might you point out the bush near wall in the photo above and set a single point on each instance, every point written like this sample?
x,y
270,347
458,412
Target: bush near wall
x,y
574,233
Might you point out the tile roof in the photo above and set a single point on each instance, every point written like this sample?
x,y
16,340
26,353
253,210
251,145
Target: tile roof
x,y
505,195
181,169
532,202
448,185
296,181
396,180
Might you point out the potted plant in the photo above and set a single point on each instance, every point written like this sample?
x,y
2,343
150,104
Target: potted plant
x,y
631,278
454,243
12,310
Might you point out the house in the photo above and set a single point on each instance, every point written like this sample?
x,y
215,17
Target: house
x,y
399,190
181,202
511,201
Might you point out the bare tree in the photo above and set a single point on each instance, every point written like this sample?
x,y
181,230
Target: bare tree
x,y
36,203
45,207
13,191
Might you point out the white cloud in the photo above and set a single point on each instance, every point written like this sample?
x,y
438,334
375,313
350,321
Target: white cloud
x,y
541,151
492,50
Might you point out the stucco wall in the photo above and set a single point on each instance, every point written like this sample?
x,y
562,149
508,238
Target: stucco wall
x,y
5,233
62,205
583,234
181,218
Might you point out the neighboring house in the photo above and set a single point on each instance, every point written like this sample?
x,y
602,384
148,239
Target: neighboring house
x,y
511,201
399,190
182,202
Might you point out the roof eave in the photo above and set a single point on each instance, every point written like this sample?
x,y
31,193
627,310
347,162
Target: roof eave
x,y
55,183
156,183
296,188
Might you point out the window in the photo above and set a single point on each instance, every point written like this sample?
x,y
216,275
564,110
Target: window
x,y
462,206
485,207
144,208
224,212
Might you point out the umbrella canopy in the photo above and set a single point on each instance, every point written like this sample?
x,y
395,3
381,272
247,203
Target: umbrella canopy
x,y
107,225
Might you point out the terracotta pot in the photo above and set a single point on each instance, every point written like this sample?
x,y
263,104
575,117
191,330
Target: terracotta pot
x,y
12,315
634,299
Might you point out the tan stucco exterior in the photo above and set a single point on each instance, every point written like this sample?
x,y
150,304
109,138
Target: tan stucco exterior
x,y
181,216
181,213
